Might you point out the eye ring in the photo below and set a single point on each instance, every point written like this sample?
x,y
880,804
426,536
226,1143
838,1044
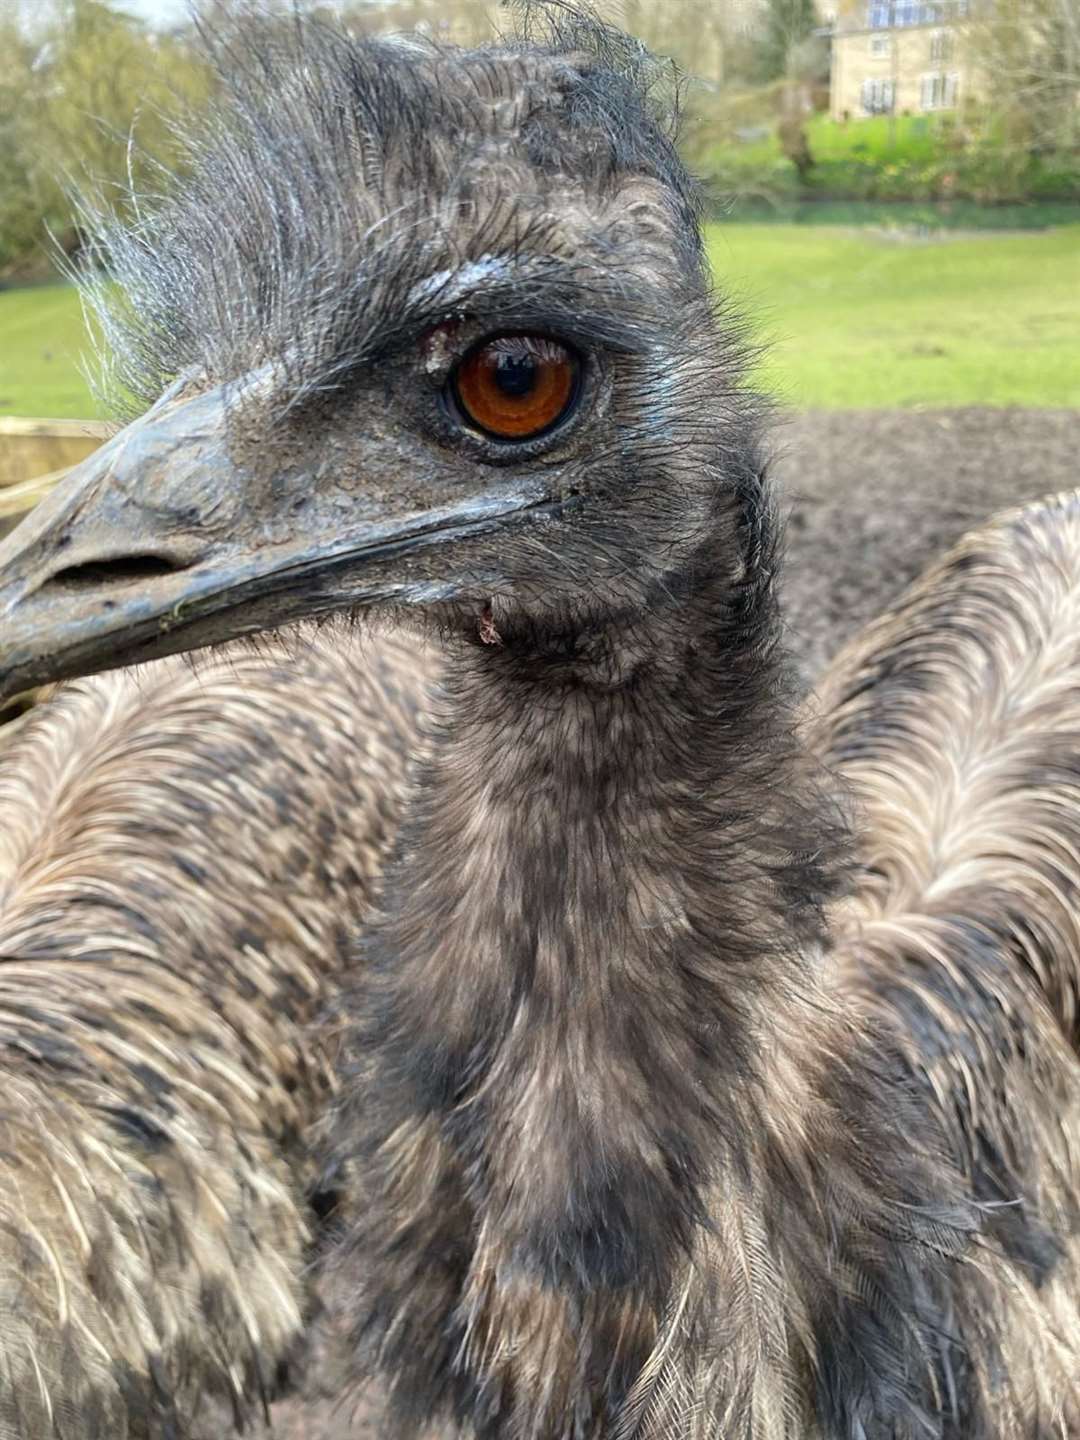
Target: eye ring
x,y
516,388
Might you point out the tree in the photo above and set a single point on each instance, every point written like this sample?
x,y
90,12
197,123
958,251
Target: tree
x,y
793,54
789,44
1029,53
20,202
89,97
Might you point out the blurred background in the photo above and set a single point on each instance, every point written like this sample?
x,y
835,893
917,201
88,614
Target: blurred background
x,y
893,186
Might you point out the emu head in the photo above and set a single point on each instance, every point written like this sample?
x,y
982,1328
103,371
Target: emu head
x,y
421,328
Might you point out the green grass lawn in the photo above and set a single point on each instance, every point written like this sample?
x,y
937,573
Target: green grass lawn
x,y
852,318
855,318
41,339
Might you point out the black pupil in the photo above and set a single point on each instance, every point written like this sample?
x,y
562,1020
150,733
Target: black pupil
x,y
515,375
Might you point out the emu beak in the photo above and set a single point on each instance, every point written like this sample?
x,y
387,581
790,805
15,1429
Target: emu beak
x,y
167,538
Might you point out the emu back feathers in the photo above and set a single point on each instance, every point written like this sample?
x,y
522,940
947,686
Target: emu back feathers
x,y
955,721
182,858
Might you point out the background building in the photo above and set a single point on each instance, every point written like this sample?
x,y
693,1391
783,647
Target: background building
x,y
900,57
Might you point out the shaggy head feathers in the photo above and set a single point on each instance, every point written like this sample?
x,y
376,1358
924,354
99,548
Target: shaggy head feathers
x,y
335,175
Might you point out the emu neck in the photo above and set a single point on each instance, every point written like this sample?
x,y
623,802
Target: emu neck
x,y
597,921
595,1073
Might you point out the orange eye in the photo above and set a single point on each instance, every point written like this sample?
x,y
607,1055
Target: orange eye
x,y
517,386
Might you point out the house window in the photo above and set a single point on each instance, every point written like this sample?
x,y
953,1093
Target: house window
x,y
938,92
877,97
941,47
880,44
882,14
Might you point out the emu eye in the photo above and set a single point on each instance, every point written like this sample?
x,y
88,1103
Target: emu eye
x,y
517,387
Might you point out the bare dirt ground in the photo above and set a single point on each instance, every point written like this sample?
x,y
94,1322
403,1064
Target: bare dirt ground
x,y
874,496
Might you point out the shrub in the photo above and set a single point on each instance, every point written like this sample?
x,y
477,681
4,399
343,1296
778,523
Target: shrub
x,y
909,158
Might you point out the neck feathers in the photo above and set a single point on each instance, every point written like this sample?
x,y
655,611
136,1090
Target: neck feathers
x,y
592,1043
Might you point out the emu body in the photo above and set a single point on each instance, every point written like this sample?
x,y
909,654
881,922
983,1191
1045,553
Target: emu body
x,y
670,1110
183,856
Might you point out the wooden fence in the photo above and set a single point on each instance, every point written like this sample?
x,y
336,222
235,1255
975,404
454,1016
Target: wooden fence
x,y
34,454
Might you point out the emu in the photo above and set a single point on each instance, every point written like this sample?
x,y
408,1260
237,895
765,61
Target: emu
x,y
707,1073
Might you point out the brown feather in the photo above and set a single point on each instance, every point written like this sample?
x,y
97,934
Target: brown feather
x,y
183,856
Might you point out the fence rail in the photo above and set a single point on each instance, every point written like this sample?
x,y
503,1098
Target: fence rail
x,y
34,452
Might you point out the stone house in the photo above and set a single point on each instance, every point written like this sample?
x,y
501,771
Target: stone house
x,y
899,57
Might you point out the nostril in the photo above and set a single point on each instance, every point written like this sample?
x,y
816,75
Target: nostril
x,y
125,568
